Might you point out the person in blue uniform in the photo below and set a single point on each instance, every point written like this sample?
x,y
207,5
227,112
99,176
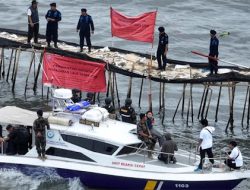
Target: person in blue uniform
x,y
53,16
162,49
33,22
85,23
213,52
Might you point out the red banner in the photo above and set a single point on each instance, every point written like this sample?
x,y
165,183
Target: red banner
x,y
139,28
73,73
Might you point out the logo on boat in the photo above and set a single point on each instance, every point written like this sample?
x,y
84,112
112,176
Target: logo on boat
x,y
50,134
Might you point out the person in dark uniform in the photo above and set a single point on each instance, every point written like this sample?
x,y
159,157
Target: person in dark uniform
x,y
90,98
127,112
17,140
110,108
213,52
33,22
77,95
145,135
39,127
53,16
168,148
85,23
162,49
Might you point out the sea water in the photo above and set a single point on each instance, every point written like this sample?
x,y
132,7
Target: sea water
x,y
187,23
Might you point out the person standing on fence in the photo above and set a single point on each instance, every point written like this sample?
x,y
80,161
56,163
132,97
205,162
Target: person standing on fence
x,y
53,16
33,22
213,52
85,23
205,143
162,49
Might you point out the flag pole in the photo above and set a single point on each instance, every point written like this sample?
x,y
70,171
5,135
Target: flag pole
x,y
149,72
149,78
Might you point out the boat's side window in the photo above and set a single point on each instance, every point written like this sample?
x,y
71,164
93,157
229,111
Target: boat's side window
x,y
90,144
67,154
129,149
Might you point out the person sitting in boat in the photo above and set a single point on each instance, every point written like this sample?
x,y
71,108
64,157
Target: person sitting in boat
x,y
90,98
168,148
110,108
76,95
128,112
39,127
234,159
205,143
145,135
150,122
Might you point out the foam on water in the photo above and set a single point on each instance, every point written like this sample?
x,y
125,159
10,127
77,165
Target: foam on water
x,y
11,179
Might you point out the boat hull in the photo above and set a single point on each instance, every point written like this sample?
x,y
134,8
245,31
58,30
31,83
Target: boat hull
x,y
104,181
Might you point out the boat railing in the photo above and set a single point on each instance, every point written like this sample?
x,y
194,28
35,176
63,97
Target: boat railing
x,y
220,162
191,154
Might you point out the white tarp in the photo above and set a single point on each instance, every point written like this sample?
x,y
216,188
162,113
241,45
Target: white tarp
x,y
17,116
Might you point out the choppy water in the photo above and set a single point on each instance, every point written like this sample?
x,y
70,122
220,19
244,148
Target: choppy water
x,y
187,23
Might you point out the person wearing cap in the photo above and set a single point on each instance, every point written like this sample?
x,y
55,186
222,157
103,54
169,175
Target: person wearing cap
x,y
213,52
39,127
108,106
162,49
53,16
90,97
127,112
145,135
33,22
85,23
205,143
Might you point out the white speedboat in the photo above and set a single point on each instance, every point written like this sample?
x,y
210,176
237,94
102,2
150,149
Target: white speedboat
x,y
110,156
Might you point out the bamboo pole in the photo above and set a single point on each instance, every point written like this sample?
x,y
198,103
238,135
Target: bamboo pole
x,y
14,66
163,103
140,95
218,104
117,91
177,108
204,102
248,110
160,97
183,100
11,57
1,61
201,103
244,108
112,89
192,105
27,78
209,100
38,71
16,69
3,64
